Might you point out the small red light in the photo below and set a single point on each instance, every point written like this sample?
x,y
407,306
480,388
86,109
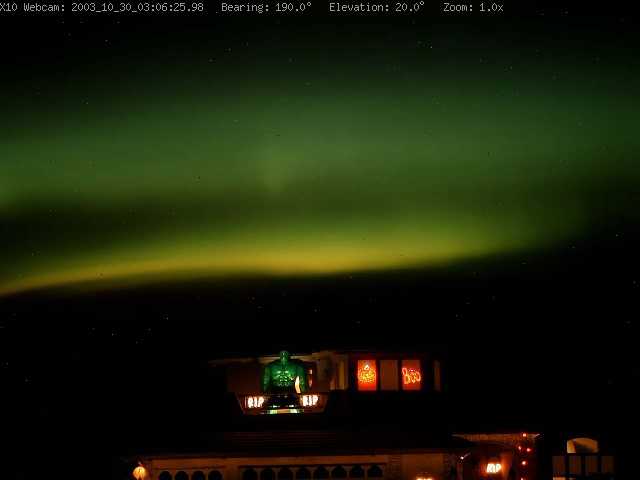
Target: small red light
x,y
528,449
519,447
523,463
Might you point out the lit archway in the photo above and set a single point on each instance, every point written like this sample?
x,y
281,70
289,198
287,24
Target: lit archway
x,y
582,445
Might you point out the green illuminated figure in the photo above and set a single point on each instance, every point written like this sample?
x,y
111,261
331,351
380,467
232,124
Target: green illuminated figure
x,y
284,376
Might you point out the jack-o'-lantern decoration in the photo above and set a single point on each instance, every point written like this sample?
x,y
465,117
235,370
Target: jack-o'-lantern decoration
x,y
367,375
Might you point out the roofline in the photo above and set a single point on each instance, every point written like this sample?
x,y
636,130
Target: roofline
x,y
265,358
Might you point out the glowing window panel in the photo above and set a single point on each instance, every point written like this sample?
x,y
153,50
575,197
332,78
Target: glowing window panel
x,y
279,411
389,375
311,374
254,401
310,400
411,375
367,375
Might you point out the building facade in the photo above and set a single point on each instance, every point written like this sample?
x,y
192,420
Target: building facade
x,y
353,414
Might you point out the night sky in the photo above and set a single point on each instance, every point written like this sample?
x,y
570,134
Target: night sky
x,y
176,190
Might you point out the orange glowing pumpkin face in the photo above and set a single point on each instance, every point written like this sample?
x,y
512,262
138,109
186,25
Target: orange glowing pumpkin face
x,y
367,375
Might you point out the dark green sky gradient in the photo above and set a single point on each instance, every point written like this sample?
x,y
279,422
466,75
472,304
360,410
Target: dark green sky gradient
x,y
282,159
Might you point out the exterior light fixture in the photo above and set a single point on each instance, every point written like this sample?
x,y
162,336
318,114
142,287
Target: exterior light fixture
x,y
140,473
493,468
424,477
523,463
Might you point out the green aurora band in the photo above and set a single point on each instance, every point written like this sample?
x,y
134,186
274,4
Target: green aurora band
x,y
312,171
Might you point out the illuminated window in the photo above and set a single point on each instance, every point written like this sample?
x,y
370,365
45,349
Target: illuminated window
x,y
437,376
310,400
411,375
591,465
582,466
389,375
607,464
575,465
310,368
367,375
253,401
582,445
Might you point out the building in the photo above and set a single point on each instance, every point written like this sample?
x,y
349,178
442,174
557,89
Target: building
x,y
360,415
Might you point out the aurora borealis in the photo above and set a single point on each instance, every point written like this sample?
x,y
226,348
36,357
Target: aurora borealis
x,y
249,156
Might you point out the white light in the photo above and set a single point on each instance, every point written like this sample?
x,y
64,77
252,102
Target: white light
x,y
310,400
254,402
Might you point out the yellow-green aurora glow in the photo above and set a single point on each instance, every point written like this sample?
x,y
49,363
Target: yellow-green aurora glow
x,y
307,172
